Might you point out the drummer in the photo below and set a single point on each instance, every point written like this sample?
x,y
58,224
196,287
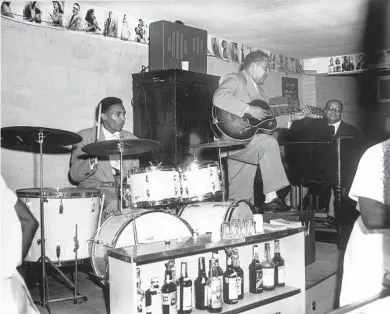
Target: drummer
x,y
103,172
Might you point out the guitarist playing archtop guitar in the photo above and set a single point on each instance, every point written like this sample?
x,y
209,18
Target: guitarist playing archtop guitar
x,y
232,98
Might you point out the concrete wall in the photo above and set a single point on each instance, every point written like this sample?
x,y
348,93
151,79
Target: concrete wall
x,y
55,78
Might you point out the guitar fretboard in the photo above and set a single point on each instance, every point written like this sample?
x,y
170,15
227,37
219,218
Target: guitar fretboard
x,y
288,110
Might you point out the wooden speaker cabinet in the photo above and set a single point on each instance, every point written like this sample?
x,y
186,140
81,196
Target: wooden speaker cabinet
x,y
173,107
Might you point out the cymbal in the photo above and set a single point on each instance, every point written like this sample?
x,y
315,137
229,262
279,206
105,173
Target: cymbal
x,y
29,136
130,147
219,144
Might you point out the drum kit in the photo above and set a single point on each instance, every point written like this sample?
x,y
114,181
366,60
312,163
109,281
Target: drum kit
x,y
146,189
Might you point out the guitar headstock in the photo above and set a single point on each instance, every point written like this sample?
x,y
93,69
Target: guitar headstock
x,y
317,110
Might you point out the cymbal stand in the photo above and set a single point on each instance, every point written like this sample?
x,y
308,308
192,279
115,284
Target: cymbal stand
x,y
222,175
45,301
120,150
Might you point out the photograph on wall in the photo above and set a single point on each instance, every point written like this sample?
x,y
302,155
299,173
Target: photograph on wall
x,y
215,47
361,62
298,66
210,51
32,12
93,20
74,16
110,26
125,28
337,65
54,13
225,50
235,57
290,90
347,64
244,50
141,30
6,9
274,61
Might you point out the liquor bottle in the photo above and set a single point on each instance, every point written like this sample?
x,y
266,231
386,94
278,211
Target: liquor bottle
x,y
255,273
153,297
240,274
219,269
201,286
175,280
230,291
214,289
185,291
169,294
268,270
279,266
140,294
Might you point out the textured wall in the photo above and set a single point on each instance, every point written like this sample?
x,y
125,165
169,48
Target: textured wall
x,y
55,79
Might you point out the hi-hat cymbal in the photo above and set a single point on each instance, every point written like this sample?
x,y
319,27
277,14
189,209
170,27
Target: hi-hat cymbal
x,y
130,147
219,144
29,136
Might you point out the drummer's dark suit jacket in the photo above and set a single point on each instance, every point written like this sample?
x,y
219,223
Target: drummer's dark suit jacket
x,y
80,170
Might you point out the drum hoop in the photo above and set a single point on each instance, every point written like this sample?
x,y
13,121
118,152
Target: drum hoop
x,y
229,212
202,197
151,169
206,165
25,193
167,201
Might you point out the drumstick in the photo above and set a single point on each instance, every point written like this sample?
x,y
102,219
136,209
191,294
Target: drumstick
x,y
98,126
101,209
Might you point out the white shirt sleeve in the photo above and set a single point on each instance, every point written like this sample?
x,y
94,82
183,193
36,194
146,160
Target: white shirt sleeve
x,y
369,178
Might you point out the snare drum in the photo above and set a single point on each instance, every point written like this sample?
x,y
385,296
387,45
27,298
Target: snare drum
x,y
64,209
152,186
118,231
208,216
200,181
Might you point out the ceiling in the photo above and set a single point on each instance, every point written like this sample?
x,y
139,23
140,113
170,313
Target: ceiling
x,y
296,28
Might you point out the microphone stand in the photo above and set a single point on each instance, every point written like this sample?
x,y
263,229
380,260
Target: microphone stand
x,y
120,150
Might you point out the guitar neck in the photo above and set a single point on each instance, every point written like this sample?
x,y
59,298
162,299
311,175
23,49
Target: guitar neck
x,y
288,110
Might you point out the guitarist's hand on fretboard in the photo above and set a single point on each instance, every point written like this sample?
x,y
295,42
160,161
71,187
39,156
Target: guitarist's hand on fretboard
x,y
306,111
257,112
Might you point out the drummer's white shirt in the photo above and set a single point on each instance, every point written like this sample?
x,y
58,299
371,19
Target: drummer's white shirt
x,y
15,297
367,257
108,136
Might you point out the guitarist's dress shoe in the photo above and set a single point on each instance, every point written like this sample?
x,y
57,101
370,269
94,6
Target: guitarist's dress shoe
x,y
276,205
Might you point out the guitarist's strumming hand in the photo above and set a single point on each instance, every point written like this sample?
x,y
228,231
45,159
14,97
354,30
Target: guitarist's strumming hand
x,y
257,112
306,111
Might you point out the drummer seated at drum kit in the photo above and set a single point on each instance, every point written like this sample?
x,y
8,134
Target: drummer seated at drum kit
x,y
103,172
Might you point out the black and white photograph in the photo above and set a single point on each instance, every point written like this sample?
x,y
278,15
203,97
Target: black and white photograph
x,y
195,157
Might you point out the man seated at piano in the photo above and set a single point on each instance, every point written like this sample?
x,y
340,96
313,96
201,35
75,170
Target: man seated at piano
x,y
101,172
235,97
318,162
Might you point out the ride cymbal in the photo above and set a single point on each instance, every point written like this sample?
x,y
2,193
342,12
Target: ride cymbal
x,y
130,147
29,136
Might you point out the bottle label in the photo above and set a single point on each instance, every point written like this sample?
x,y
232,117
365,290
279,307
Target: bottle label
x,y
216,294
268,277
281,278
187,298
206,296
233,291
221,280
259,279
155,306
238,282
170,299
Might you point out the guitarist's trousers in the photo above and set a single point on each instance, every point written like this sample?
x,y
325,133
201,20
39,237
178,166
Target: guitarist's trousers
x,y
263,150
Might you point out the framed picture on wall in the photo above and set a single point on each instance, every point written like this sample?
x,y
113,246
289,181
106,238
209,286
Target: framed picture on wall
x,y
383,95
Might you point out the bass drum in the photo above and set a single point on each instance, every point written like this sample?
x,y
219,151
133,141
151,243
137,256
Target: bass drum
x,y
119,231
209,216
64,209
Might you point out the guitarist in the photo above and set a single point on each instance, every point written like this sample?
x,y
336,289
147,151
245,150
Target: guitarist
x,y
233,95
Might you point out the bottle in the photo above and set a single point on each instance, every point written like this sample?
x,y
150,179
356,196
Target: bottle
x,y
219,269
240,274
140,294
268,270
201,285
169,294
175,280
214,289
230,291
279,266
153,297
185,291
255,272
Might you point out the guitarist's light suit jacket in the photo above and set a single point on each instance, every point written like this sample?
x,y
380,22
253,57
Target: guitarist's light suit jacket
x,y
235,93
103,178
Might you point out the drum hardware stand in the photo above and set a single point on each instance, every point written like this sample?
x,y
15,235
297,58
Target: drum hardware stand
x,y
45,301
222,176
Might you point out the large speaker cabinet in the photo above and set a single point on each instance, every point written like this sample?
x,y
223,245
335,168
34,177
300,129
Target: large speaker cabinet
x,y
174,108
